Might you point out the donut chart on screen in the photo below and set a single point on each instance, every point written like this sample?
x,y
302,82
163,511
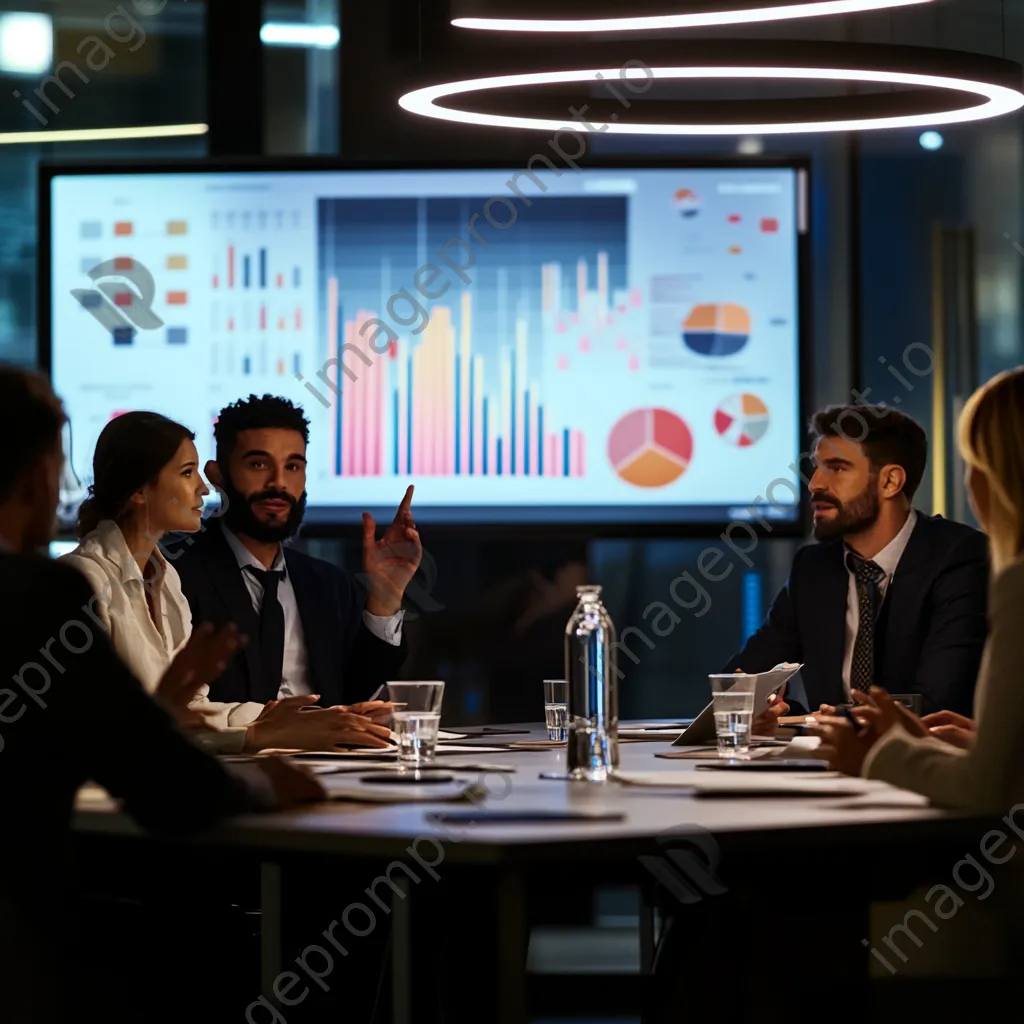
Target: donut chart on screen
x,y
742,420
650,447
716,329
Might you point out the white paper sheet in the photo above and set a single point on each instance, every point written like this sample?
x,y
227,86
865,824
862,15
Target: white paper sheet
x,y
767,682
726,783
800,747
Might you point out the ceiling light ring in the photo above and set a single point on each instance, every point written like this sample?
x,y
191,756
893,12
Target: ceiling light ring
x,y
519,20
997,82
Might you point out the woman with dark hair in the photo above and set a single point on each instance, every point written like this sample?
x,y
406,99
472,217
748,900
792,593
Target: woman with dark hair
x,y
146,483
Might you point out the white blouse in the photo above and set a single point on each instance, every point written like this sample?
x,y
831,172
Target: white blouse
x,y
146,642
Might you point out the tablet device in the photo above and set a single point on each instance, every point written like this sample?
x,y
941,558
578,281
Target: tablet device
x,y
702,730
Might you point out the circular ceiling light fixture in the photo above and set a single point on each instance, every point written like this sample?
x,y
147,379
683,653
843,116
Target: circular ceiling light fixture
x,y
544,16
940,87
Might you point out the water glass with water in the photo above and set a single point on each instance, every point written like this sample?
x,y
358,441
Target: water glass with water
x,y
732,698
416,736
556,709
415,719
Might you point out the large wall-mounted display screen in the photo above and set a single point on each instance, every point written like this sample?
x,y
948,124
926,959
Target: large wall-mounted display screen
x,y
617,344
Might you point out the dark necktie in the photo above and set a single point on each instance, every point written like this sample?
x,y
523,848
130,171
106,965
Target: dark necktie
x,y
271,631
867,576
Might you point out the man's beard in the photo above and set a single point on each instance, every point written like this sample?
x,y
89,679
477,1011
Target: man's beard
x,y
240,517
856,515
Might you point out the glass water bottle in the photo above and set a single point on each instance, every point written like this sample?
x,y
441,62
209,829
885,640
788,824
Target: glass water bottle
x,y
590,668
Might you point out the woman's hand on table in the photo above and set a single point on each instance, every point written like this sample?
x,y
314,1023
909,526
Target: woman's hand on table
x,y
376,710
845,747
948,726
293,723
883,712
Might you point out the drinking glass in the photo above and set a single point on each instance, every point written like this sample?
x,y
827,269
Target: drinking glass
x,y
416,736
556,709
415,719
732,698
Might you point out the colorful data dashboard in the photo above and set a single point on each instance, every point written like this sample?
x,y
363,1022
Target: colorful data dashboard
x,y
614,344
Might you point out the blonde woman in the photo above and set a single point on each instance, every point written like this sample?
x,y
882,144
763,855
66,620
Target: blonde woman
x,y
147,484
987,773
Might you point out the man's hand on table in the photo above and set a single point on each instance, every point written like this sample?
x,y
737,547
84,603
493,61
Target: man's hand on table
x,y
293,723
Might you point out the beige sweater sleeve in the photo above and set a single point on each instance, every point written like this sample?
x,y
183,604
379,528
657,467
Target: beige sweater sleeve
x,y
989,777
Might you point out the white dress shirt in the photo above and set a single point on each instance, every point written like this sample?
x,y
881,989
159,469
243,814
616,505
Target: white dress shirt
x,y
148,642
887,559
295,669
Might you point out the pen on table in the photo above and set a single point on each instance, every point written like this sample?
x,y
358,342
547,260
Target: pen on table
x,y
848,714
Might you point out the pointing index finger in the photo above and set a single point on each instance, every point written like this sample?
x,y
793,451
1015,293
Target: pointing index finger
x,y
406,505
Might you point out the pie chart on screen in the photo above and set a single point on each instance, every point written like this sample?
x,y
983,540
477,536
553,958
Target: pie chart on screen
x,y
716,329
742,420
650,447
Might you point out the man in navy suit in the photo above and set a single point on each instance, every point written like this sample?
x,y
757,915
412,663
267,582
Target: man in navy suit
x,y
890,597
311,636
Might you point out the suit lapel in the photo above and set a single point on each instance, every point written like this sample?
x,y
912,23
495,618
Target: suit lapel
x,y
902,598
832,601
226,577
313,599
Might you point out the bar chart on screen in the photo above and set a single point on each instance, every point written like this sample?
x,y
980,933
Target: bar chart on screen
x,y
474,383
258,319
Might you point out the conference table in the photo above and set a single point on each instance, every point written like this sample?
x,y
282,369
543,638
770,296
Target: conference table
x,y
751,843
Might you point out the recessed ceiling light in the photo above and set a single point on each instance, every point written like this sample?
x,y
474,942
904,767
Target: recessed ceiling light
x,y
519,20
280,33
26,43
